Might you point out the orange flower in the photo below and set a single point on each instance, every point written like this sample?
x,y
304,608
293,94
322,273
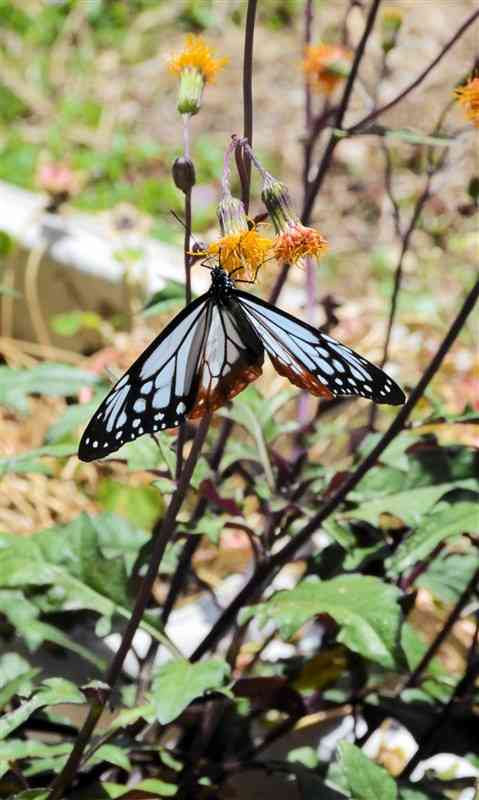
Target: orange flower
x,y
242,253
197,55
196,66
298,241
294,240
468,97
326,65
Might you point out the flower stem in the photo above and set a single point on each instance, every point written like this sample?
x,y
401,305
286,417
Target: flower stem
x,y
162,534
267,569
316,184
248,94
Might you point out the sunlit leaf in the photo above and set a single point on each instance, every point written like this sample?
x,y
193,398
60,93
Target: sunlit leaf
x,y
365,608
52,692
409,506
446,520
178,682
366,780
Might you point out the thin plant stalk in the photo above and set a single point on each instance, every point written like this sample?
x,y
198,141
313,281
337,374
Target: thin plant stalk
x,y
248,94
323,167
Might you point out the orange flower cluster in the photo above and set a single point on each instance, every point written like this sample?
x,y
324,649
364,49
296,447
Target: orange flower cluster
x,y
298,241
326,65
468,97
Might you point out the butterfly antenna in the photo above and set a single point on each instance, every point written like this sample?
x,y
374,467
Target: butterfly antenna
x,y
182,223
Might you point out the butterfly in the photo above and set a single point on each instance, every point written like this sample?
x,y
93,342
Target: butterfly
x,y
210,351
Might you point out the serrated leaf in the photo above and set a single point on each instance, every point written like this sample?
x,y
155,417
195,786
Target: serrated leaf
x,y
59,380
365,608
52,692
15,677
367,781
448,519
177,683
448,575
410,506
87,562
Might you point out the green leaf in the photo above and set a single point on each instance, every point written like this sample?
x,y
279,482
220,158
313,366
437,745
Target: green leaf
x,y
156,787
410,506
15,677
52,692
210,526
367,781
251,407
6,244
365,608
71,322
32,794
86,563
113,755
144,453
142,505
448,575
16,749
166,300
178,682
30,462
73,417
448,519
306,756
59,380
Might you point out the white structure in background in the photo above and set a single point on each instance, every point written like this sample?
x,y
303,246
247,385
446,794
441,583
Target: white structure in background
x,y
79,270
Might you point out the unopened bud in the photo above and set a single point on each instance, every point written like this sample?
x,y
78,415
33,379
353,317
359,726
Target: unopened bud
x,y
275,196
390,26
183,172
191,90
232,216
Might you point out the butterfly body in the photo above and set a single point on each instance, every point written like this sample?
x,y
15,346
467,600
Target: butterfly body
x,y
211,351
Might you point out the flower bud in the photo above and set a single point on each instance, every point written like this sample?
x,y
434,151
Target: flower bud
x,y
275,196
183,172
190,92
232,216
390,26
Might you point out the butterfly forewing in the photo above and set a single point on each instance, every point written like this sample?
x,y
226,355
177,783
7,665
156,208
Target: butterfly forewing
x,y
315,361
158,390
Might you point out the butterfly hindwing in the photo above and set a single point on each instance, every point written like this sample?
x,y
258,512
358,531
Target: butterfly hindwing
x,y
233,357
314,361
